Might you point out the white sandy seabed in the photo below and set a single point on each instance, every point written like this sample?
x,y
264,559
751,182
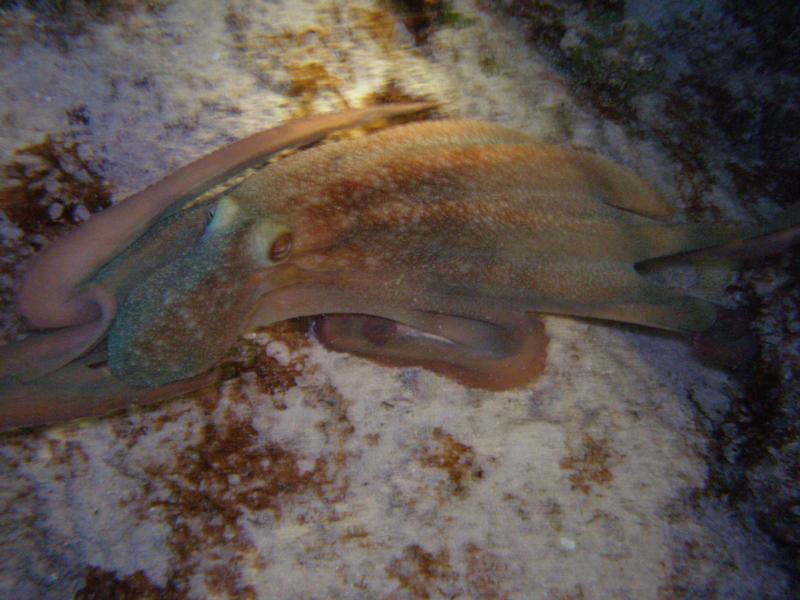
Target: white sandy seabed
x,y
356,480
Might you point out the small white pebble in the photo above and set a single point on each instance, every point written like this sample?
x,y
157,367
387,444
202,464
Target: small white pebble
x,y
9,231
55,210
567,544
80,213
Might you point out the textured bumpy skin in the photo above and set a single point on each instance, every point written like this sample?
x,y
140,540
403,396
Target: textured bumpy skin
x,y
430,244
460,219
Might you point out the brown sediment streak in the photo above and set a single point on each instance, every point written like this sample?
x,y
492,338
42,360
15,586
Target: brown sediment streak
x,y
80,252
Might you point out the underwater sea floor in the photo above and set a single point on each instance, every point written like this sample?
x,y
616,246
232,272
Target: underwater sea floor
x,y
316,474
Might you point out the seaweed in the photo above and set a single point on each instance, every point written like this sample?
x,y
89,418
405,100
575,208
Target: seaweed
x,y
610,59
613,61
542,21
53,185
422,17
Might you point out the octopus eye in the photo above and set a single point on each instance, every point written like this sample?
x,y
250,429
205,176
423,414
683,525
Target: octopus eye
x,y
281,247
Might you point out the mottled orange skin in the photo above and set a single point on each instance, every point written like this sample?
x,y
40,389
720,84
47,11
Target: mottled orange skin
x,y
456,229
432,244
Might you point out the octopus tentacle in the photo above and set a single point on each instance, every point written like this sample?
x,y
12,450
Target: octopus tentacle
x,y
84,388
498,357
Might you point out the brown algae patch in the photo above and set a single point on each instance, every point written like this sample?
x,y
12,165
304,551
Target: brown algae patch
x,y
590,465
230,472
271,375
99,584
378,24
485,573
455,459
232,475
422,573
308,79
52,184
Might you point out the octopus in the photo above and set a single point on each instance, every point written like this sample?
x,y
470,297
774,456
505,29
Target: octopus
x,y
433,244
